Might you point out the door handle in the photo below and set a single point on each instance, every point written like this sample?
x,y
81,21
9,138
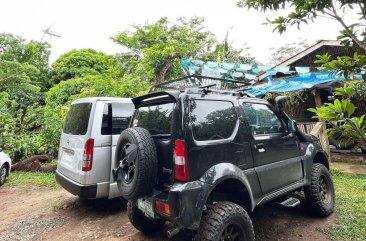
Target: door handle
x,y
260,147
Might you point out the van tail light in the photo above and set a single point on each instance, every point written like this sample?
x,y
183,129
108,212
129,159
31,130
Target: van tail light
x,y
88,155
180,161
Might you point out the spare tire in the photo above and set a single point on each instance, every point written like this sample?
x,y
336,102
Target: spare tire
x,y
137,163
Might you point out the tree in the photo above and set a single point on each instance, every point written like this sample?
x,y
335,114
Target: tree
x,y
80,63
225,52
287,51
304,11
36,54
156,48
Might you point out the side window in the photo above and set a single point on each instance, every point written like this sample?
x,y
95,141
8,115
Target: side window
x,y
212,120
121,116
262,119
116,118
107,120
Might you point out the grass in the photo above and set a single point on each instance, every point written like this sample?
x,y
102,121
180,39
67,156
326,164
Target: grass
x,y
33,178
351,208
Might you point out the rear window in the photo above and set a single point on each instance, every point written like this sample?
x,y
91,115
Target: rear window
x,y
156,119
116,118
77,119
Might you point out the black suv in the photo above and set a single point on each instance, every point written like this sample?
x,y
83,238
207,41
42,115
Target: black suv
x,y
203,159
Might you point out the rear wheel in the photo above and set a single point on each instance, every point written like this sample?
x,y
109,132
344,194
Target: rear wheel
x,y
141,222
320,193
138,164
225,221
3,173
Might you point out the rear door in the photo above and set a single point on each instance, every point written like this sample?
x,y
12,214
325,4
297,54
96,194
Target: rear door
x,y
76,132
158,119
275,151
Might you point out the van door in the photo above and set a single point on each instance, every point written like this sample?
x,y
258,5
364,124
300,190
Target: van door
x,y
120,119
102,149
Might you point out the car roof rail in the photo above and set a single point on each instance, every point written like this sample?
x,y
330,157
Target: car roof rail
x,y
198,81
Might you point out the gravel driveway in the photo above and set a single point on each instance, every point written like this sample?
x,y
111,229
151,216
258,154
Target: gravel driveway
x,y
42,213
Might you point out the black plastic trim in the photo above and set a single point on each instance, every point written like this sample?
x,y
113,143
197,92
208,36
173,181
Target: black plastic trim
x,y
162,96
83,191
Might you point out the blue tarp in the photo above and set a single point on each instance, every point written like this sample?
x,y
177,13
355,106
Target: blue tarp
x,y
303,81
230,71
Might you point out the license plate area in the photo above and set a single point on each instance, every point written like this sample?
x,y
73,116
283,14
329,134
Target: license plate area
x,y
146,206
67,155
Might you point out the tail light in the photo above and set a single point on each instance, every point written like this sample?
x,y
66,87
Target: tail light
x,y
163,207
181,161
88,155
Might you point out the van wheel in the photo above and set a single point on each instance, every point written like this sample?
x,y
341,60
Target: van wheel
x,y
141,222
225,221
137,163
320,195
3,173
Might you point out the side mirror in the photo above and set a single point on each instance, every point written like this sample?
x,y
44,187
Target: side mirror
x,y
280,102
292,126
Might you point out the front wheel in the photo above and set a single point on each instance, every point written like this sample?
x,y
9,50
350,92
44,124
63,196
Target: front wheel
x,y
320,193
225,221
3,173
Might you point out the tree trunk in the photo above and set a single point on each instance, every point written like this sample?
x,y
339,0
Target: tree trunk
x,y
166,67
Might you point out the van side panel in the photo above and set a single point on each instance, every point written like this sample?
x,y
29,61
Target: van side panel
x,y
102,147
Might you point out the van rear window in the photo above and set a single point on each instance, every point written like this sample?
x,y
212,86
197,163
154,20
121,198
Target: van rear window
x,y
157,119
77,119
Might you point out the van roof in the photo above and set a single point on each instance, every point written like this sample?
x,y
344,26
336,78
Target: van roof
x,y
93,99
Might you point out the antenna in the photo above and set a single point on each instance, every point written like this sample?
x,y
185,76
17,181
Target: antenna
x,y
50,33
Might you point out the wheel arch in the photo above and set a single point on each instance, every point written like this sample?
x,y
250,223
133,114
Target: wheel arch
x,y
321,158
7,165
229,183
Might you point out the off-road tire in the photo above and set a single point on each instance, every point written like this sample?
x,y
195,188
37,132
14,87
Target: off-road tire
x,y
313,194
3,178
219,216
146,164
142,223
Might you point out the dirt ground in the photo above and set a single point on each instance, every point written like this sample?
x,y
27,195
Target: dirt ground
x,y
41,213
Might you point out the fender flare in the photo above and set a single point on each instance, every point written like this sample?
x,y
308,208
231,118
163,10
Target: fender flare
x,y
227,171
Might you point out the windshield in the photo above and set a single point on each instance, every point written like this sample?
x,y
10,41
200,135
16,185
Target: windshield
x,y
77,119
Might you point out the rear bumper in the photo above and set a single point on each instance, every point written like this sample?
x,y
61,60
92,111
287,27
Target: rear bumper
x,y
187,202
83,191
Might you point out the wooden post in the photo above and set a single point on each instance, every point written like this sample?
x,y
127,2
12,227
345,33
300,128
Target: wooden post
x,y
318,100
322,136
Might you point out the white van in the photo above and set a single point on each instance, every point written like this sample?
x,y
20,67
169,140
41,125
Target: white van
x,y
87,146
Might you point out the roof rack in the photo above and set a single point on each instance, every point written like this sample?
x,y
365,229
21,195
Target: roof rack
x,y
198,81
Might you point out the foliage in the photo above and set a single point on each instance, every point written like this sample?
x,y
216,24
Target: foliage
x,y
225,52
80,63
351,206
304,11
339,115
344,65
287,51
34,178
33,54
157,47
